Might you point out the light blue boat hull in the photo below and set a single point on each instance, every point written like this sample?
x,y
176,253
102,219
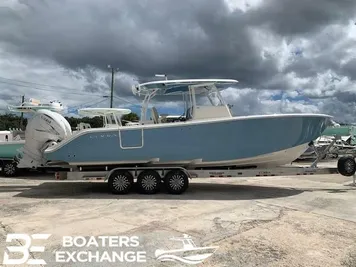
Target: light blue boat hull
x,y
224,142
9,150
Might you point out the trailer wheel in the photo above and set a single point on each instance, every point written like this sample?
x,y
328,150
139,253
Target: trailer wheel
x,y
176,182
346,166
120,182
148,182
9,169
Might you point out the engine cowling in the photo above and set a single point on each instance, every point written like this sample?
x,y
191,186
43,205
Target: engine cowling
x,y
46,128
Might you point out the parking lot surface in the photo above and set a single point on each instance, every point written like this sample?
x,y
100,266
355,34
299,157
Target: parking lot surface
x,y
260,221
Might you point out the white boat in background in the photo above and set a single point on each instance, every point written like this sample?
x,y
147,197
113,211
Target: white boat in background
x,y
81,126
342,142
204,136
111,117
33,105
169,118
333,147
10,143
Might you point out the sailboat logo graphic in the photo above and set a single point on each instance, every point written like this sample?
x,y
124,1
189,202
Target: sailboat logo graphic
x,y
190,253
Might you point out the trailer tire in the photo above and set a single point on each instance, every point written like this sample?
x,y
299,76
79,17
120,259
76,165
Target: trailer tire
x,y
9,169
346,166
176,182
120,182
148,182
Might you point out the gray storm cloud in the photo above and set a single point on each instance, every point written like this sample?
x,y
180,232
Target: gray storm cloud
x,y
184,39
190,38
290,17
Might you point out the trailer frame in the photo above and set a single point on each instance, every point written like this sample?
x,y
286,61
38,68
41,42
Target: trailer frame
x,y
165,174
149,177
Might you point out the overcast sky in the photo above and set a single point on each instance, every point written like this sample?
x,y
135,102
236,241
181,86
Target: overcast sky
x,y
288,55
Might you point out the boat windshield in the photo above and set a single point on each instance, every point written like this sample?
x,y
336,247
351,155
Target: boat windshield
x,y
214,97
202,99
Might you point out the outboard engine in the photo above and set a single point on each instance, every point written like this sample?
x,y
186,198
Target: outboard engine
x,y
45,129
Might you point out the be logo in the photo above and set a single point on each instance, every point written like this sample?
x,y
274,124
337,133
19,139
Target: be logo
x,y
24,249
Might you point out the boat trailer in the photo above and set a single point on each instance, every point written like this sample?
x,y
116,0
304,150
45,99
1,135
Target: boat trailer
x,y
149,178
175,179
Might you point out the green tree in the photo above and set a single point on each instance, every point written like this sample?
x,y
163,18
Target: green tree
x,y
8,121
94,122
133,117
